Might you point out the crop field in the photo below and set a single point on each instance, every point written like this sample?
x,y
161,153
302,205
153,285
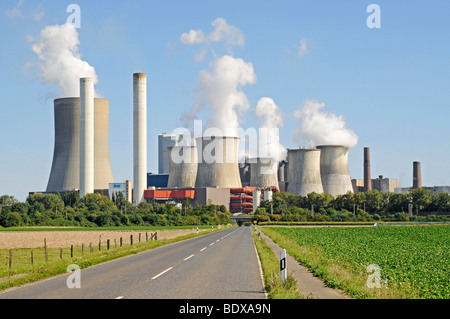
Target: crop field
x,y
402,261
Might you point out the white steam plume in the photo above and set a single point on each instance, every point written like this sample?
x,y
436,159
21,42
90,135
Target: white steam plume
x,y
219,91
222,32
60,61
322,128
271,119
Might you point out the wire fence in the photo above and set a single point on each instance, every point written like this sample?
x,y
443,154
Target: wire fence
x,y
11,259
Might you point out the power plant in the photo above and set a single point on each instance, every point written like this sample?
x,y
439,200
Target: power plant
x,y
206,173
183,166
304,172
65,171
263,172
218,162
334,170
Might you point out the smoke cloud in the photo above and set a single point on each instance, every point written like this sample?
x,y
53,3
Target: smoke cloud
x,y
60,60
271,119
322,128
220,92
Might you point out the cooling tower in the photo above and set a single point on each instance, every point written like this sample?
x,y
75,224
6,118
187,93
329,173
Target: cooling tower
x,y
263,172
183,165
65,172
334,169
304,172
86,136
218,162
417,175
367,178
139,137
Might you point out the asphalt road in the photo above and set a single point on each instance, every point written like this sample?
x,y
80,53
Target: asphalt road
x,y
220,265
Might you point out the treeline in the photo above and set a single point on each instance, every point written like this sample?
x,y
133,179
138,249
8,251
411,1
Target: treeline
x,y
369,206
94,210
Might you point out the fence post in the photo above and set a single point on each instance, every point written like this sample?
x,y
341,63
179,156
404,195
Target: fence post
x,y
107,244
100,243
45,249
156,236
60,253
71,251
131,239
121,241
82,250
146,236
90,248
32,257
10,258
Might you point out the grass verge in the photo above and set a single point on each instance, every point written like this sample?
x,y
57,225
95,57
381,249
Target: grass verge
x,y
24,275
270,264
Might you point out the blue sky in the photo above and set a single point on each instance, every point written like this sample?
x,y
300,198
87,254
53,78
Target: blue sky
x,y
390,84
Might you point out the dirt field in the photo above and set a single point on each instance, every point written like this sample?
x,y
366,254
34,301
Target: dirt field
x,y
56,239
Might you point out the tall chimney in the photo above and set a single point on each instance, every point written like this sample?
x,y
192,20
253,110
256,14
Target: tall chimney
x,y
367,178
86,136
139,136
417,175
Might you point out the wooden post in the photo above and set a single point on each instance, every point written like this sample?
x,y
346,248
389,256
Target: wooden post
x,y
10,258
107,244
131,239
82,250
90,247
100,243
71,251
60,253
121,240
45,249
156,236
139,237
146,236
32,257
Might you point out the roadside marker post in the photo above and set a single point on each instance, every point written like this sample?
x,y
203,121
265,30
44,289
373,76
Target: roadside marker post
x,y
283,270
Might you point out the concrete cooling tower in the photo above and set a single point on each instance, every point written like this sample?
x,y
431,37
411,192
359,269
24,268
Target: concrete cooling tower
x,y
183,163
65,171
264,172
334,169
304,172
218,162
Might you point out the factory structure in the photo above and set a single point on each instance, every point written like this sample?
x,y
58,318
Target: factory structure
x,y
202,171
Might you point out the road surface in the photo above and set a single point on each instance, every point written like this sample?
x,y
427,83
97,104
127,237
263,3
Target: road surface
x,y
220,265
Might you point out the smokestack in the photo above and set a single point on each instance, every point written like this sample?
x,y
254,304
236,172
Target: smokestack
x,y
139,136
86,136
417,175
367,178
304,172
218,162
334,169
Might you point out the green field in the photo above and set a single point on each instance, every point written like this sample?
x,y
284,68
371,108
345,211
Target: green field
x,y
413,261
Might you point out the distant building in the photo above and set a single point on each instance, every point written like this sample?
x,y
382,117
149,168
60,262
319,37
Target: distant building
x,y
384,185
124,188
433,189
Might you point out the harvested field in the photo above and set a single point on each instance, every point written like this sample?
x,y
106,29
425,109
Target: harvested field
x,y
61,239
